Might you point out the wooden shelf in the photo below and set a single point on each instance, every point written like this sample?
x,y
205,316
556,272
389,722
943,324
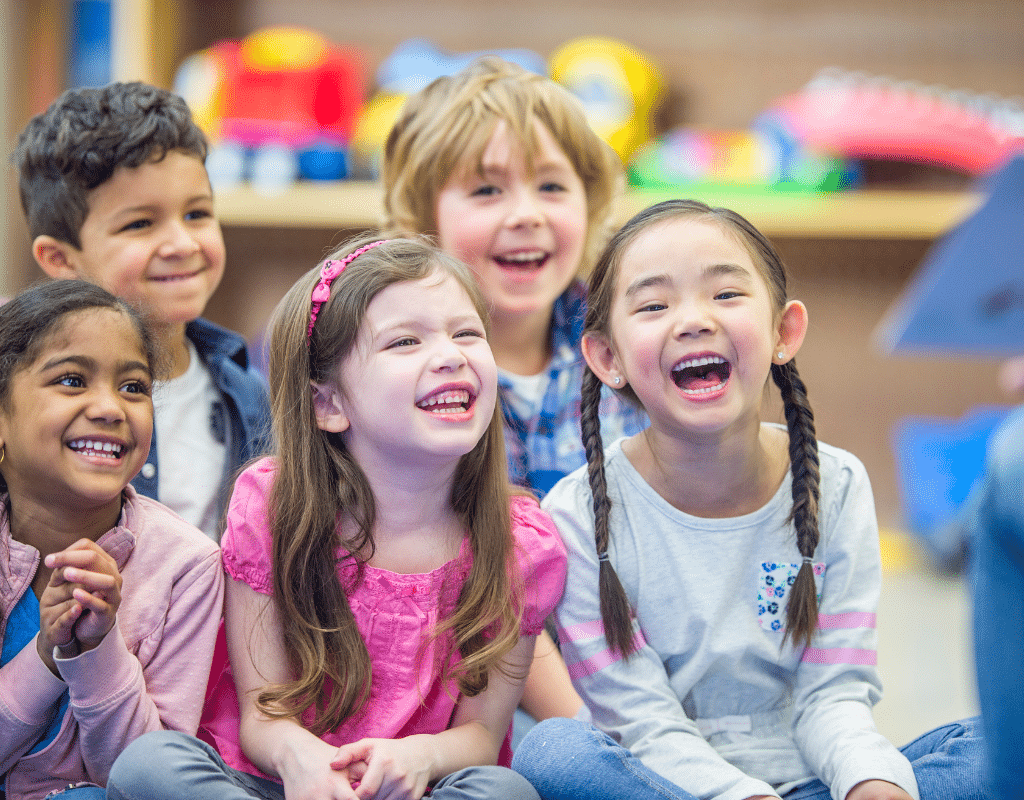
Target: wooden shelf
x,y
872,214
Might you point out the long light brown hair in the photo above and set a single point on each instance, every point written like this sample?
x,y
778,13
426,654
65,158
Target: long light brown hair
x,y
319,486
447,125
802,611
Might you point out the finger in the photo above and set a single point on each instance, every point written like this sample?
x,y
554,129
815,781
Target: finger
x,y
371,780
350,753
92,581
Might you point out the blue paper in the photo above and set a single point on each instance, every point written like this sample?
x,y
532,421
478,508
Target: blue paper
x,y
968,296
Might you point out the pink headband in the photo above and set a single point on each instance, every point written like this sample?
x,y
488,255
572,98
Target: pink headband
x,y
330,270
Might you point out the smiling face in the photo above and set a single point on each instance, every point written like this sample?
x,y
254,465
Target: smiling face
x,y
77,423
522,231
693,329
420,385
151,238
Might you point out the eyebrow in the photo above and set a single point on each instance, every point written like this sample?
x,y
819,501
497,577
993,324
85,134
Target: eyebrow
x,y
663,279
90,364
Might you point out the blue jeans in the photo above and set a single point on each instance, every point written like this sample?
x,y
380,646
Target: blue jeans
x,y
167,765
569,760
996,522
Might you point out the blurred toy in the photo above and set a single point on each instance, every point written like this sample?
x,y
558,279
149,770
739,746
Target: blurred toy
x,y
413,65
618,85
285,98
765,158
854,115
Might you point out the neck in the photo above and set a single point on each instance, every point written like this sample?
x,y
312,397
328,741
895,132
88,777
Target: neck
x,y
522,344
51,529
716,476
416,529
172,341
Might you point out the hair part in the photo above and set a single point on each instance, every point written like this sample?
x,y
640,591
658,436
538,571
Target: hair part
x,y
318,483
802,611
79,142
446,127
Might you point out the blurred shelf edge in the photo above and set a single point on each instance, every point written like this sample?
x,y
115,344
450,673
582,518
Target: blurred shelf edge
x,y
867,214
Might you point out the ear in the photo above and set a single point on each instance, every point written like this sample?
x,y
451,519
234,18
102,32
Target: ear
x,y
792,328
327,405
56,258
600,357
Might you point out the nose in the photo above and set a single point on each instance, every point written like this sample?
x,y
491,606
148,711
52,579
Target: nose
x,y
105,406
179,241
448,356
694,318
524,210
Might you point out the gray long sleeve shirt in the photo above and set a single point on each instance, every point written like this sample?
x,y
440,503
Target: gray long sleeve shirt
x,y
712,700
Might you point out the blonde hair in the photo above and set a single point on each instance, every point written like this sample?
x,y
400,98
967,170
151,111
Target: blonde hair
x,y
318,483
449,123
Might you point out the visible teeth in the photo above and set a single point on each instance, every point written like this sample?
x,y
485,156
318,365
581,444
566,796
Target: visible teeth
x,y
698,362
536,255
705,390
106,449
455,396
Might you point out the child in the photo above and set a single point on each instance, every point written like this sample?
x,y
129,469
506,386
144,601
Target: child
x,y
115,191
109,603
719,612
500,164
384,601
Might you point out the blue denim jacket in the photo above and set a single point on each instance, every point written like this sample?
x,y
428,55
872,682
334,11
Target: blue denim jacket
x,y
245,410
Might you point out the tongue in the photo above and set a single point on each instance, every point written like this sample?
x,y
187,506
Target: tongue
x,y
694,379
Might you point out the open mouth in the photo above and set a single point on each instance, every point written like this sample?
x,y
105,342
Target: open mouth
x,y
526,261
89,447
701,375
450,401
181,276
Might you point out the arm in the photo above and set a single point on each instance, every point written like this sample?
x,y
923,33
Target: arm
x,y
29,693
836,682
632,700
279,747
115,697
405,767
549,691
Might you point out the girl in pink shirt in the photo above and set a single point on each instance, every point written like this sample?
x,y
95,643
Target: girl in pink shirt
x,y
385,589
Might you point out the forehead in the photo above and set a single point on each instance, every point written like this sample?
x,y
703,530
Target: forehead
x,y
438,295
98,331
152,182
536,148
685,245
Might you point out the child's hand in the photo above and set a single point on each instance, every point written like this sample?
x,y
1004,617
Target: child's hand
x,y
80,602
877,790
309,778
395,769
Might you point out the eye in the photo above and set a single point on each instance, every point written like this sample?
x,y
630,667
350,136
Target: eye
x,y
470,332
651,307
552,186
487,190
198,214
71,380
728,294
136,387
405,341
137,225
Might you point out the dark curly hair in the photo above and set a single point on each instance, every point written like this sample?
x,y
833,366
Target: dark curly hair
x,y
83,137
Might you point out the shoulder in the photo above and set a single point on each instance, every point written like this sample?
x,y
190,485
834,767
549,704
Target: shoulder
x,y
534,532
841,471
247,542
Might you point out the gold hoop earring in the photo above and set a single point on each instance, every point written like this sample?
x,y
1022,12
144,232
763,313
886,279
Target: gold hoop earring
x,y
3,452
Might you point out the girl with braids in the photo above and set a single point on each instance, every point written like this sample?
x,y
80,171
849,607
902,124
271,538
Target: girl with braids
x,y
385,590
719,611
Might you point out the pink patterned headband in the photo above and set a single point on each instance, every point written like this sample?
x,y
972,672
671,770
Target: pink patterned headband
x,y
330,270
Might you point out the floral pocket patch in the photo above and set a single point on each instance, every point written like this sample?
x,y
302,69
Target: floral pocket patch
x,y
773,583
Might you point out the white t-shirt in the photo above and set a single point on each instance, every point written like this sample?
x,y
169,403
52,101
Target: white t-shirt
x,y
191,445
526,391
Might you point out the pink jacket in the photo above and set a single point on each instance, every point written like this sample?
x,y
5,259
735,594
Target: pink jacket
x,y
151,676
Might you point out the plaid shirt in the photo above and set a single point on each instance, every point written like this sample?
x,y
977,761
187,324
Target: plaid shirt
x,y
543,444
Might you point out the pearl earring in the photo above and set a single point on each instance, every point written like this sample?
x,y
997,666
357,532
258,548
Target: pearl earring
x,y
782,354
618,380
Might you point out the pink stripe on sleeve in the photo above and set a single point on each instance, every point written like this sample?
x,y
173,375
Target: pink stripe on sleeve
x,y
856,619
840,655
585,630
599,661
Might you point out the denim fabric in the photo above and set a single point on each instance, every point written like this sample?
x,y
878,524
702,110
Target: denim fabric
x,y
246,405
997,529
566,759
570,760
167,765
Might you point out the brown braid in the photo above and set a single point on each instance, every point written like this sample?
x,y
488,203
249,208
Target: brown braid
x,y
615,611
802,612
